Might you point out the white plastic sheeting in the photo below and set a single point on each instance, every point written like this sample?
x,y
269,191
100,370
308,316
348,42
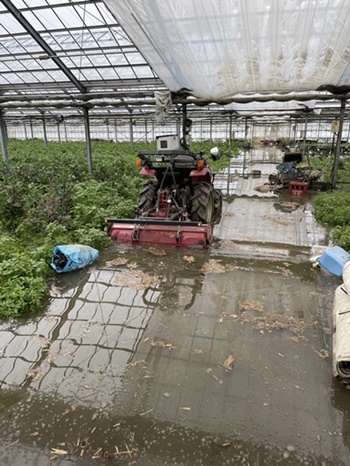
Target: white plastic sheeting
x,y
218,48
341,327
163,105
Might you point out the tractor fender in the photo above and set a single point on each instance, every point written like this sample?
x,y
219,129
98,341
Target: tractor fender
x,y
200,176
148,172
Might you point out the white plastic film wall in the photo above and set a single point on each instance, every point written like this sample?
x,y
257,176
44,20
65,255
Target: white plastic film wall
x,y
220,48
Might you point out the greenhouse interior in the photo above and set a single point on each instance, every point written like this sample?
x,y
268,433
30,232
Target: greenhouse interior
x,y
174,232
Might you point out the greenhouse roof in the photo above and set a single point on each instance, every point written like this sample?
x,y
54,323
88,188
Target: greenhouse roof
x,y
59,53
113,55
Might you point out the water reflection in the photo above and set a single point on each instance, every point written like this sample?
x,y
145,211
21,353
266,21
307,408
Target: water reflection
x,y
94,323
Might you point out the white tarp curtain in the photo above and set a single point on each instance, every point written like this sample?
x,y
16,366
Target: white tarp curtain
x,y
163,105
217,48
341,327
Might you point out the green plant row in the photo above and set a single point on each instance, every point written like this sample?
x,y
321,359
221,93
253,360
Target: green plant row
x,y
48,197
333,209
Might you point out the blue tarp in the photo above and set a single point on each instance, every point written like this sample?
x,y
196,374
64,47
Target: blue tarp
x,y
72,257
333,260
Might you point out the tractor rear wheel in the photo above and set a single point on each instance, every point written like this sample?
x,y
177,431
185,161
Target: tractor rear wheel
x,y
202,207
217,205
147,198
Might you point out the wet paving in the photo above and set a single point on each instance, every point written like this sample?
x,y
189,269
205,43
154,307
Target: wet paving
x,y
159,356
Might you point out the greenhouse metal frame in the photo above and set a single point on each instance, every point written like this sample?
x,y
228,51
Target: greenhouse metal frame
x,y
70,71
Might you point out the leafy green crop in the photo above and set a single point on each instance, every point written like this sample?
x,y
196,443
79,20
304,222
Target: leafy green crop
x,y
47,197
333,209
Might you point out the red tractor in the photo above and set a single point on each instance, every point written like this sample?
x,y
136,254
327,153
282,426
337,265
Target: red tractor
x,y
178,205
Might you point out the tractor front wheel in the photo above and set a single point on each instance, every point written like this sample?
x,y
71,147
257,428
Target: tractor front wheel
x,y
202,206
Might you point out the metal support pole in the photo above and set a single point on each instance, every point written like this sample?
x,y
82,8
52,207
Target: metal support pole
x,y
107,126
6,134
304,141
184,116
58,133
319,128
230,155
337,150
131,134
3,139
146,131
245,144
211,130
115,131
44,129
31,130
87,138
178,130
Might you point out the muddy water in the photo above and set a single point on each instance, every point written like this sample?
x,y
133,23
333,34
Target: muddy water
x,y
178,357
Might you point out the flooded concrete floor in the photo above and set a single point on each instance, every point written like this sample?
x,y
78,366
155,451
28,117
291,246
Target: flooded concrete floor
x,y
184,357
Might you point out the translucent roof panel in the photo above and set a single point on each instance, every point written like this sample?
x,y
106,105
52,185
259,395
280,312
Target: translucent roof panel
x,y
218,49
67,43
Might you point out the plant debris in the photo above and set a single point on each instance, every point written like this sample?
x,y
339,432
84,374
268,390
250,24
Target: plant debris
x,y
35,374
156,252
274,321
189,259
115,262
161,344
228,244
59,451
45,343
251,305
137,280
212,266
217,379
277,220
228,364
279,321
100,453
323,353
